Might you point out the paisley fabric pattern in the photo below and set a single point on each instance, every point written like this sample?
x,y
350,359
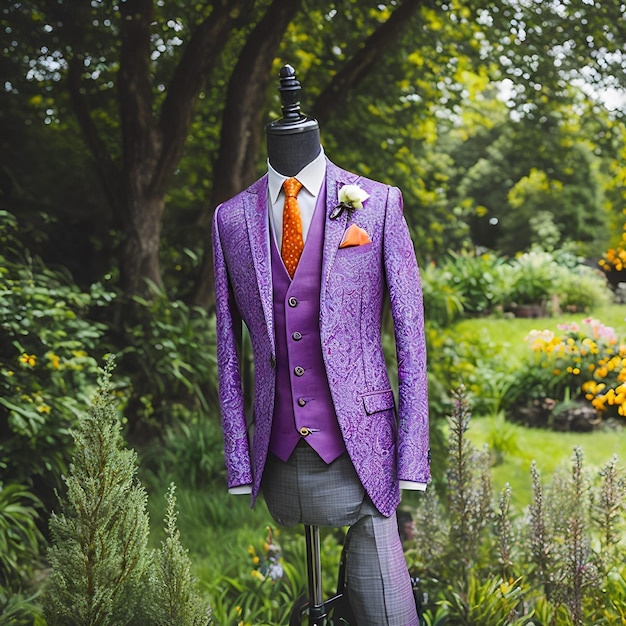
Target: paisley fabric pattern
x,y
384,444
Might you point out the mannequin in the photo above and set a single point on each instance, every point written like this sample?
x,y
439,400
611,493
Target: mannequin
x,y
294,140
330,447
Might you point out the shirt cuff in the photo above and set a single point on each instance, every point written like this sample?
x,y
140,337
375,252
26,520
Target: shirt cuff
x,y
240,490
412,485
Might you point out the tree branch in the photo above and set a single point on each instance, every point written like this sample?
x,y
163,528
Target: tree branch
x,y
189,79
245,99
358,66
106,169
241,120
74,33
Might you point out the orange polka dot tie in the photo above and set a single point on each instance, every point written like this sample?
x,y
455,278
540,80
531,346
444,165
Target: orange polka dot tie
x,y
293,242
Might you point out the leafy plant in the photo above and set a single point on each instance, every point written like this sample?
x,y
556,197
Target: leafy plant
x,y
190,451
170,358
560,563
443,298
478,278
581,289
531,278
20,609
47,368
20,538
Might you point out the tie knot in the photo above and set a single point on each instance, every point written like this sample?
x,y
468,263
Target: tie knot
x,y
292,186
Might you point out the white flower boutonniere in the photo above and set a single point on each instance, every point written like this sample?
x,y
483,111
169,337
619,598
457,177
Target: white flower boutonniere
x,y
350,197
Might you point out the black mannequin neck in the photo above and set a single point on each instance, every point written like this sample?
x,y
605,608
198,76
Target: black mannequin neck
x,y
289,152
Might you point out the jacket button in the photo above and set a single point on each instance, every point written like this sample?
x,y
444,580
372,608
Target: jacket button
x,y
304,431
293,302
298,371
301,401
296,336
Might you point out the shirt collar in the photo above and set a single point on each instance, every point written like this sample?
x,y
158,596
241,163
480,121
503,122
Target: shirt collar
x,y
311,176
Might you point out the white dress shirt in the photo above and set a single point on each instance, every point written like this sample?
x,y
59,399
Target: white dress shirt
x,y
312,177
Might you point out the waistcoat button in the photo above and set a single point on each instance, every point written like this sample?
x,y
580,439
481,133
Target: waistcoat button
x,y
293,302
298,371
296,336
301,401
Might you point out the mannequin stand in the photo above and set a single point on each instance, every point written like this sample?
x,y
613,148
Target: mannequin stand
x,y
317,609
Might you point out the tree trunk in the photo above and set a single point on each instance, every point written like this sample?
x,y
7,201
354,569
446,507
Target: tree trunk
x,y
241,134
152,147
140,250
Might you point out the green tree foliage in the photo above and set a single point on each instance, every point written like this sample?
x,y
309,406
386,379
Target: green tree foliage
x,y
47,367
20,538
170,100
521,169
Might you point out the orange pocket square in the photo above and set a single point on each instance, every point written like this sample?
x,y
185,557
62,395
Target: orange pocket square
x,y
354,236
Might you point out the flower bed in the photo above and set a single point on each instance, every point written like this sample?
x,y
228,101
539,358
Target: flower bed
x,y
583,361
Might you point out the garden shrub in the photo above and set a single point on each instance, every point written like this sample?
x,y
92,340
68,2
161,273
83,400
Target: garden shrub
x,y
581,289
191,451
467,357
103,572
482,564
176,601
464,283
443,299
170,357
479,279
99,541
531,279
47,367
470,284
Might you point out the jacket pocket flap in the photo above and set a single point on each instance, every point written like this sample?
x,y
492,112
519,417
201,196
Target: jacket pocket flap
x,y
378,401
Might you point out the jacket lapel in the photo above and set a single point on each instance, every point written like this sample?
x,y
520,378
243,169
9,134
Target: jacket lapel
x,y
257,220
334,230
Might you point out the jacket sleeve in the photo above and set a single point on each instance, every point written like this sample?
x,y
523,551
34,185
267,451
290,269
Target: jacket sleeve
x,y
228,329
405,295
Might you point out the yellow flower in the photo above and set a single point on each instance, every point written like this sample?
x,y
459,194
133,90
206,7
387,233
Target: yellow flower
x,y
602,372
28,359
43,408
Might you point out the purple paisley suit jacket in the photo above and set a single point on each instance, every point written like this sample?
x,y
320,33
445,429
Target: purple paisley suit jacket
x,y
385,443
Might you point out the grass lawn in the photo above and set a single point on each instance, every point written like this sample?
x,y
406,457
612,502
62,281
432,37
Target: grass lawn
x,y
548,449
